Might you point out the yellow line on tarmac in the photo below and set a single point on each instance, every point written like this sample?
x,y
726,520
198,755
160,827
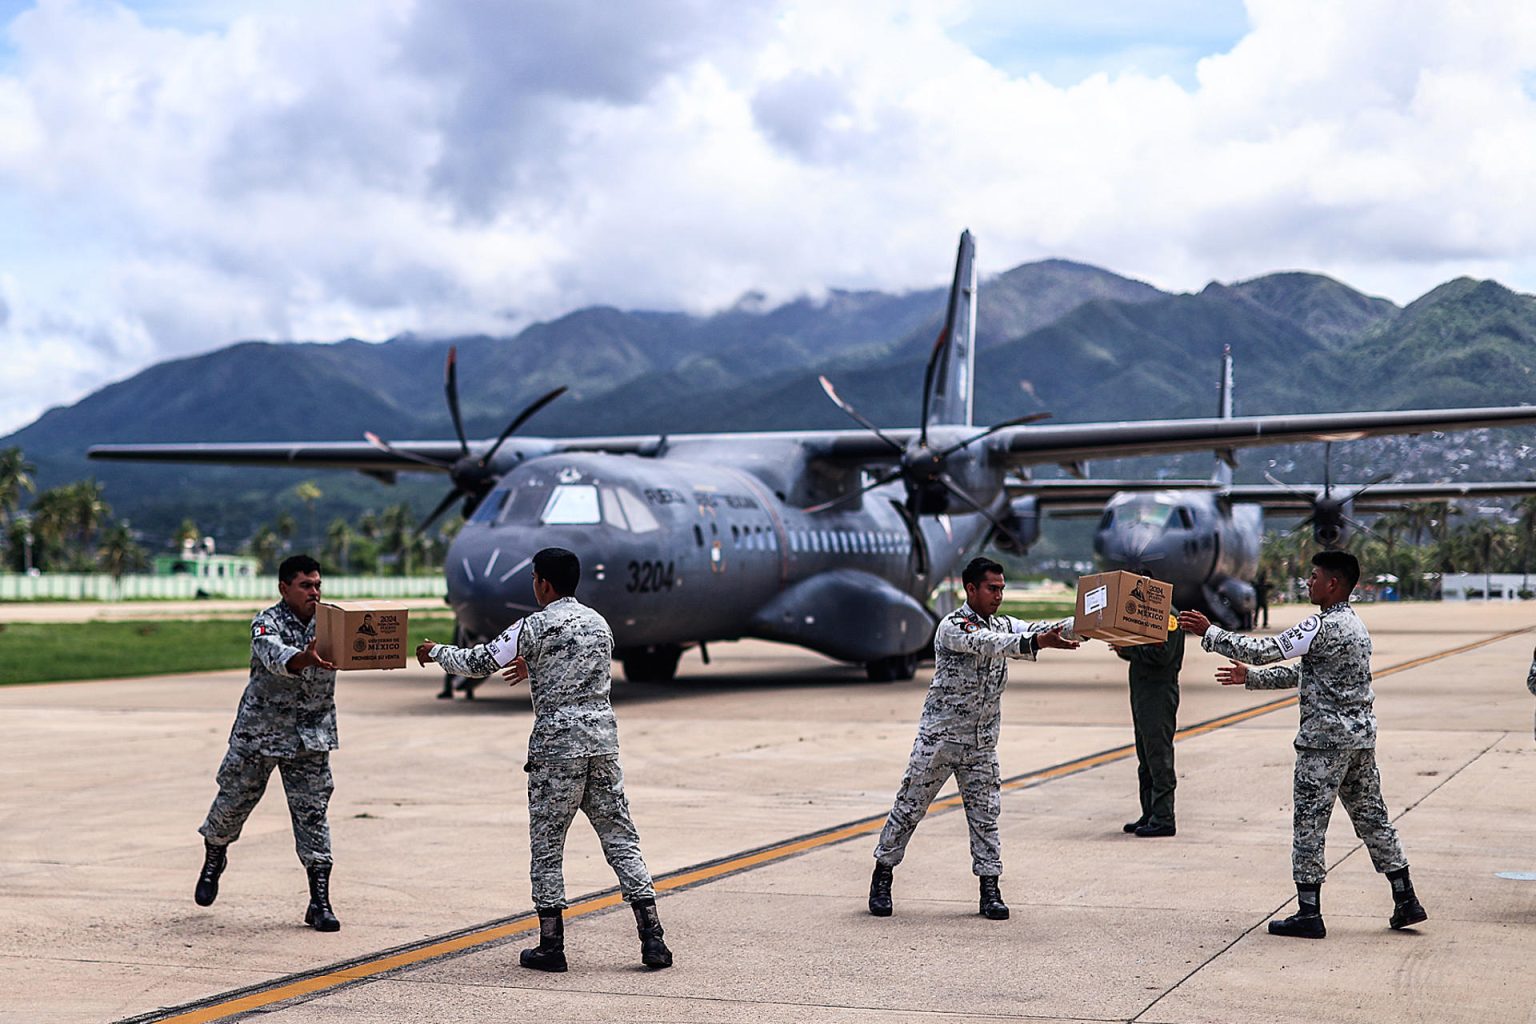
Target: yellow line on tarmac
x,y
230,1005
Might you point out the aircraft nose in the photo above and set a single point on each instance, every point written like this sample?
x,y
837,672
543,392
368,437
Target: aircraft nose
x,y
1134,549
489,582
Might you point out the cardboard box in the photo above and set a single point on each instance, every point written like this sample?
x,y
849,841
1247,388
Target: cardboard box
x,y
1123,608
361,634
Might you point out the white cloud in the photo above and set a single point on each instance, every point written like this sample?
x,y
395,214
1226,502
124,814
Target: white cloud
x,y
169,185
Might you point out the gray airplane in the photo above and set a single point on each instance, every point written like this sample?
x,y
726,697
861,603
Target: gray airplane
x,y
831,540
1204,536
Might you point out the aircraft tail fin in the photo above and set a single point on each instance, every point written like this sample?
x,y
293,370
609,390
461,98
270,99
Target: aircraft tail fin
x,y
1226,458
947,386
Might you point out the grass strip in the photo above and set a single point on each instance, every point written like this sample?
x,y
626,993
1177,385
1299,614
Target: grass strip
x,y
50,652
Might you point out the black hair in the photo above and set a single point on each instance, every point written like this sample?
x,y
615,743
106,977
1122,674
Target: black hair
x,y
1342,564
977,571
296,565
559,568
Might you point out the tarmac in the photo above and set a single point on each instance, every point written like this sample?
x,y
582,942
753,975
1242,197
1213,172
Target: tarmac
x,y
757,783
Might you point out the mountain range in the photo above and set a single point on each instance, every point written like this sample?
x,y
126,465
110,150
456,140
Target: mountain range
x,y
1075,340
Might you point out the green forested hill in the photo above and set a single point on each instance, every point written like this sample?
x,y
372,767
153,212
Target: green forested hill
x,y
1078,341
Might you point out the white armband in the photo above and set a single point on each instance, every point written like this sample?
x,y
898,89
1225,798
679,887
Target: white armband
x,y
1297,640
504,647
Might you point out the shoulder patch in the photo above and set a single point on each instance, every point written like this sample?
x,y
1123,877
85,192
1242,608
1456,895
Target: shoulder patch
x,y
1297,640
259,629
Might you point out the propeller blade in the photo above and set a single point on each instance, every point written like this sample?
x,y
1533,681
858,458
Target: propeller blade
x,y
881,482
960,493
858,417
389,449
1327,469
1034,417
914,531
1300,526
1308,497
1357,524
522,418
451,385
1377,479
442,507
939,345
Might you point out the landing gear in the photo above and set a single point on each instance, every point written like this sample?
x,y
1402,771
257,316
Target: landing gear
x,y
893,669
655,664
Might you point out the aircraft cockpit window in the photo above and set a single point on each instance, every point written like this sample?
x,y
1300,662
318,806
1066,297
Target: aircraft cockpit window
x,y
640,518
1108,520
613,514
490,508
572,505
1152,515
1186,520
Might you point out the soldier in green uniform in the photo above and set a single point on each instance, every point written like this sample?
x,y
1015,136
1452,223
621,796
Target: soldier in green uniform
x,y
1336,744
287,721
1154,673
565,652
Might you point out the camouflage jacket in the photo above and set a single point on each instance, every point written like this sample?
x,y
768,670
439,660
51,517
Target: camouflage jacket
x,y
282,714
569,651
970,669
1334,674
1530,678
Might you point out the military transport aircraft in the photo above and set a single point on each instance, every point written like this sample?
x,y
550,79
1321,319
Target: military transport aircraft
x,y
832,540
1203,536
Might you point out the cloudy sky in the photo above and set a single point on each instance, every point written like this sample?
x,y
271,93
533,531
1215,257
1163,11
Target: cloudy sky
x,y
176,175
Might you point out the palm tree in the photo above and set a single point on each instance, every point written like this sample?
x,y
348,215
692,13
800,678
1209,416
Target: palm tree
x,y
309,493
88,512
15,477
267,546
397,534
338,543
119,552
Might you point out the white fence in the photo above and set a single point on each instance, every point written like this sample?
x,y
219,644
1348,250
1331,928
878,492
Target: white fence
x,y
101,587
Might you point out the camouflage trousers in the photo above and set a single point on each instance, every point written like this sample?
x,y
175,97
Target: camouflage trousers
x,y
931,765
1350,776
595,785
243,779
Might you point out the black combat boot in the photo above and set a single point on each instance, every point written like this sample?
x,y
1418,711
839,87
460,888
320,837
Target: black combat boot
x,y
1307,922
549,954
1132,826
320,916
880,891
653,951
214,859
992,906
1406,908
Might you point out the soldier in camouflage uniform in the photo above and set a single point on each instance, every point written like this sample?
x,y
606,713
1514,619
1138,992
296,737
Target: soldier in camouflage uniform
x,y
565,651
287,721
1336,744
958,732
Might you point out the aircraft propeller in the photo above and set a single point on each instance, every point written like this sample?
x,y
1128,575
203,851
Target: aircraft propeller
x,y
473,476
920,466
1328,513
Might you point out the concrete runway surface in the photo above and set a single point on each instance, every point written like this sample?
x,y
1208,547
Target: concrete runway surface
x,y
757,784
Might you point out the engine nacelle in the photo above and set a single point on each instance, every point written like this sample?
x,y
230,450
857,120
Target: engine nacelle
x,y
1023,521
1331,522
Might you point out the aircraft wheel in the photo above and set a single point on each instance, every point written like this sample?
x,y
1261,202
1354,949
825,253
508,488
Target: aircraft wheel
x,y
893,669
651,664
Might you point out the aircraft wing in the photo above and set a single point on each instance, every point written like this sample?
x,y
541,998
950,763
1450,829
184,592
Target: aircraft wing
x,y
1069,443
1061,496
1378,498
358,455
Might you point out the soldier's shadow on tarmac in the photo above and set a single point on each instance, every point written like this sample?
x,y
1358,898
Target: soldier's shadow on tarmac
x,y
494,696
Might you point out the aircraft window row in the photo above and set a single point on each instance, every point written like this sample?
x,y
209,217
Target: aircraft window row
x,y
754,538
852,542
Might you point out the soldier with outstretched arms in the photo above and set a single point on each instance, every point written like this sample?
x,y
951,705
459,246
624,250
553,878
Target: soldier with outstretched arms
x,y
958,732
1336,744
565,652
